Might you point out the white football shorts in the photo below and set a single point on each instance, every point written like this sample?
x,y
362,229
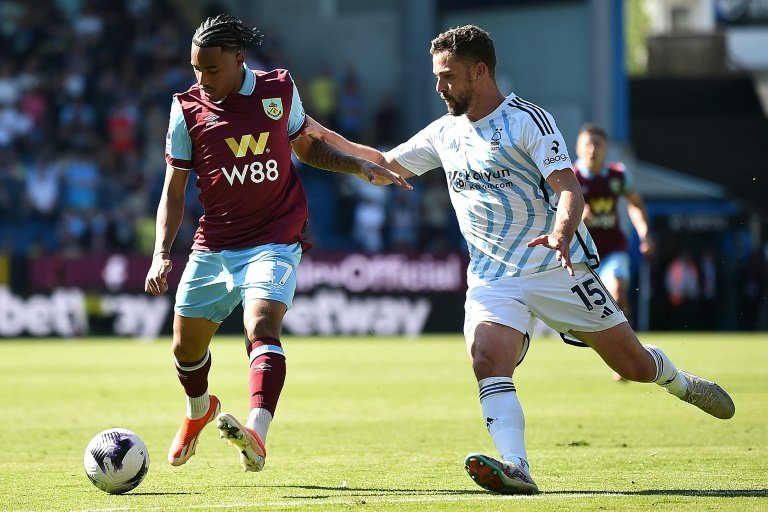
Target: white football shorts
x,y
563,302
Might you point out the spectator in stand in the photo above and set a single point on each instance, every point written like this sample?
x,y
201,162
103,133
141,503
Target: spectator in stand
x,y
81,181
387,122
351,106
322,98
122,123
709,277
10,90
403,214
753,290
15,126
682,285
42,187
77,122
11,176
436,215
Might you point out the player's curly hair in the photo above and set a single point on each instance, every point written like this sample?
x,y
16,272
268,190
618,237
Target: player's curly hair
x,y
227,32
468,43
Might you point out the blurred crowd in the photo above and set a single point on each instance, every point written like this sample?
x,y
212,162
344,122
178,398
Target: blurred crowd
x,y
704,290
85,92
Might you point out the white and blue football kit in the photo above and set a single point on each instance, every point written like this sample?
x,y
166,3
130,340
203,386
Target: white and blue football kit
x,y
496,169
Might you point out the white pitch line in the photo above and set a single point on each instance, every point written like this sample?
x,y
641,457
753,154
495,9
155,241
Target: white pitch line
x,y
374,499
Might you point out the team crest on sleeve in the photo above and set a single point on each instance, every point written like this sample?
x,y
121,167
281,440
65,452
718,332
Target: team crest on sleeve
x,y
273,107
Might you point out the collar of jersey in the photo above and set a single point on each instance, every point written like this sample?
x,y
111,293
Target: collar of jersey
x,y
492,114
249,84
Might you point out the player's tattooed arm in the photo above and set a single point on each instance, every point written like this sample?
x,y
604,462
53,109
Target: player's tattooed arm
x,y
318,153
327,157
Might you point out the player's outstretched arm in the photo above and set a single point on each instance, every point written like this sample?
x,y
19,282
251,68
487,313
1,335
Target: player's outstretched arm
x,y
567,219
170,212
312,148
319,132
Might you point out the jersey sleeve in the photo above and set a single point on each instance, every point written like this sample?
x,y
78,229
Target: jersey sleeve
x,y
418,154
178,145
544,142
296,118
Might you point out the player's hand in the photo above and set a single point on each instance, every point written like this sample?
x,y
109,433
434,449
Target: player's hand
x,y
157,277
378,175
561,247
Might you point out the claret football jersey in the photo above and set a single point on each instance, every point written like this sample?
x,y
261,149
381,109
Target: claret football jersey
x,y
602,192
496,170
240,150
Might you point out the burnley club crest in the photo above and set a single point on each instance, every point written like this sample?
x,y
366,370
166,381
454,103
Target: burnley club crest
x,y
273,107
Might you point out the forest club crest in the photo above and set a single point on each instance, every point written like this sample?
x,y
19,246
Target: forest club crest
x,y
273,107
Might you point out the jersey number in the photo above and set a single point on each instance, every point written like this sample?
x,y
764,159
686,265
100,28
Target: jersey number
x,y
287,271
585,291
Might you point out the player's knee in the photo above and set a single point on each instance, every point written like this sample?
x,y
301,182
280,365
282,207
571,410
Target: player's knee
x,y
487,361
262,326
187,352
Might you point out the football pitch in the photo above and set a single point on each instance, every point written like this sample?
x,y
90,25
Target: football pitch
x,y
384,424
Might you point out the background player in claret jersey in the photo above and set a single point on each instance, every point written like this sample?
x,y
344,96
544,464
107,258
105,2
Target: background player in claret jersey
x,y
236,128
604,184
504,159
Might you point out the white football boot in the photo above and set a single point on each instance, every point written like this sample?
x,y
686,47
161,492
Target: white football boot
x,y
708,396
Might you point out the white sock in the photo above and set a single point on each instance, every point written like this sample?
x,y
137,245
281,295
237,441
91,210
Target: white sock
x,y
198,406
667,375
504,418
259,420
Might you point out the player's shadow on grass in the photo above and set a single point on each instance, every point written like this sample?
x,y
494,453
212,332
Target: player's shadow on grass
x,y
173,493
363,492
703,493
370,491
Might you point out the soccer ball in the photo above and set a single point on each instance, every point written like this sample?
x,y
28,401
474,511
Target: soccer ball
x,y
116,460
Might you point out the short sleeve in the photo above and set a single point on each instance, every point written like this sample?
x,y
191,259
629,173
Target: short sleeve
x,y
296,117
178,145
418,154
544,142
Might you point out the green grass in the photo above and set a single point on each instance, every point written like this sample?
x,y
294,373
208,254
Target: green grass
x,y
384,424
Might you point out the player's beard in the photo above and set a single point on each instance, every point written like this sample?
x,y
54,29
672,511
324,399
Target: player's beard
x,y
459,105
